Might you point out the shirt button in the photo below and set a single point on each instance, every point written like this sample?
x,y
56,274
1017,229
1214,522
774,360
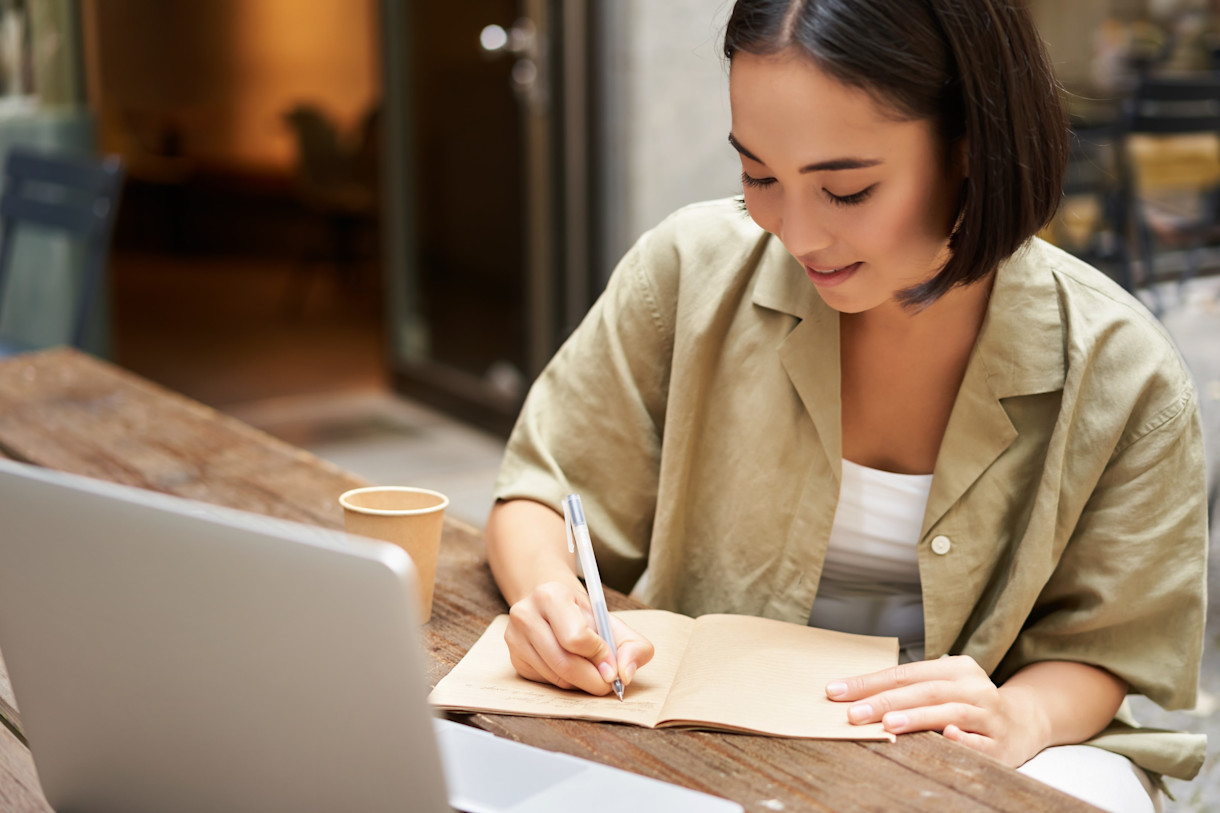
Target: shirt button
x,y
941,545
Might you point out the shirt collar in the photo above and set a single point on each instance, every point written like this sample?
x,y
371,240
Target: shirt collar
x,y
782,285
1020,345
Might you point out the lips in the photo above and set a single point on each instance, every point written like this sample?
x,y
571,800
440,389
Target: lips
x,y
827,276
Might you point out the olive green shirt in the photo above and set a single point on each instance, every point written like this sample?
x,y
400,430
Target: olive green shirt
x,y
696,410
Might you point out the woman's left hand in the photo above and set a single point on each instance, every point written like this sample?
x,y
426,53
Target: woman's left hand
x,y
953,695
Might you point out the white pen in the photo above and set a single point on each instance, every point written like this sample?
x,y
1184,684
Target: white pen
x,y
578,540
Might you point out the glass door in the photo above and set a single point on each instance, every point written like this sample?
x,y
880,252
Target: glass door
x,y
486,220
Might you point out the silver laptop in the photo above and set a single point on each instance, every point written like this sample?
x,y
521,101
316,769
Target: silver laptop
x,y
172,655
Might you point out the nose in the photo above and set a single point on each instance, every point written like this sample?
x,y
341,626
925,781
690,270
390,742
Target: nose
x,y
803,229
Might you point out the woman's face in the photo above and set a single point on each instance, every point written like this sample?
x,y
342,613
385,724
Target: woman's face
x,y
862,200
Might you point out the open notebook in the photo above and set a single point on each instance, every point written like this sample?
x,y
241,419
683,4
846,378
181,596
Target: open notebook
x,y
722,672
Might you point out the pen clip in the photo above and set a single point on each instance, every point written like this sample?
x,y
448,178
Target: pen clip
x,y
567,524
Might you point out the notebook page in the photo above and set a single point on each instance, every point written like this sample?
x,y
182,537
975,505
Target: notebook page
x,y
768,676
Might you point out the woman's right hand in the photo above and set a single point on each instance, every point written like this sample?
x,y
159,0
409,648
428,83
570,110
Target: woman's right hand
x,y
552,638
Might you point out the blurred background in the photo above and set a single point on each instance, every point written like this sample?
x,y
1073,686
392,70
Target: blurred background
x,y
364,225
423,198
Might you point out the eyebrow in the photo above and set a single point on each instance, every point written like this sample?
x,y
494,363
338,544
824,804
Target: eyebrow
x,y
820,166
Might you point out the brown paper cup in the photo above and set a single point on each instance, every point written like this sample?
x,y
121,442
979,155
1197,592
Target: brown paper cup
x,y
411,518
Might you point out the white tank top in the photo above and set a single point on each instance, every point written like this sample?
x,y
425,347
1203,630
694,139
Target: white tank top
x,y
870,579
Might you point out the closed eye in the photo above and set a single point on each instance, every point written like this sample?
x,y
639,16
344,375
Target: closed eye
x,y
755,183
853,199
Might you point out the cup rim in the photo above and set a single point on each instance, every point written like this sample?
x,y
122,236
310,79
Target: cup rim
x,y
393,512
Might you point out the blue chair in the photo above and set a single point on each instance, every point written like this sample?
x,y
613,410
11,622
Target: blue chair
x,y
73,195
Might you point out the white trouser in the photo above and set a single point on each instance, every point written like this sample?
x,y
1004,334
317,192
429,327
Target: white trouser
x,y
1102,778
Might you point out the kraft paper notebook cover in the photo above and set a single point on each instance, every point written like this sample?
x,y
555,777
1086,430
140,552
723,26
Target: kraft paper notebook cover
x,y
717,672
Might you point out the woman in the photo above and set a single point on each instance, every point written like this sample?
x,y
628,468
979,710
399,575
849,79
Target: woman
x,y
876,404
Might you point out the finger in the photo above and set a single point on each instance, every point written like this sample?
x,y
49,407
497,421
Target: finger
x,y
634,650
523,654
978,742
578,641
631,656
962,716
573,627
543,629
569,666
904,674
930,693
861,686
529,665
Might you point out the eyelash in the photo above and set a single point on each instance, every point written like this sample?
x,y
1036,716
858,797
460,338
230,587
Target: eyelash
x,y
755,183
853,199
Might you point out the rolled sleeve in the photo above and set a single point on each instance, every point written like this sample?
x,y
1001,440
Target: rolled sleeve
x,y
592,420
1129,594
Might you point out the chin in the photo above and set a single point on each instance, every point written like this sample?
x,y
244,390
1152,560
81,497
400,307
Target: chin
x,y
845,303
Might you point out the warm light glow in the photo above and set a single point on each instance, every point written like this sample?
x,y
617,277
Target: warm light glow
x,y
286,52
226,71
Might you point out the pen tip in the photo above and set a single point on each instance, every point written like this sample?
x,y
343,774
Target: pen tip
x,y
618,688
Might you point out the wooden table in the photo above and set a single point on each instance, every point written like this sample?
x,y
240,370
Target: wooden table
x,y
68,411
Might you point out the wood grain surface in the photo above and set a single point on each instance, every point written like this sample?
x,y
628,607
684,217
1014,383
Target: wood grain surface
x,y
68,411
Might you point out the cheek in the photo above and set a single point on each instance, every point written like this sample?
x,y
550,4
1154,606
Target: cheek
x,y
764,211
912,218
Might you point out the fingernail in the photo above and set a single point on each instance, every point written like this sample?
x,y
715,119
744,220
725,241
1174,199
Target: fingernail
x,y
859,713
895,722
836,689
628,673
606,671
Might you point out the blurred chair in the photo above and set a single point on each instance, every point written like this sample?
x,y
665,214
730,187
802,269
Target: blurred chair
x,y
71,194
337,179
155,143
1172,179
1093,217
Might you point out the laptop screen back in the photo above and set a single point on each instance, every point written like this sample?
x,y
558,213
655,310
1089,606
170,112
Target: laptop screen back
x,y
171,655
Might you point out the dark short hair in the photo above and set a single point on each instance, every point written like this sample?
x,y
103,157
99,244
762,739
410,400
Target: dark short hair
x,y
976,68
